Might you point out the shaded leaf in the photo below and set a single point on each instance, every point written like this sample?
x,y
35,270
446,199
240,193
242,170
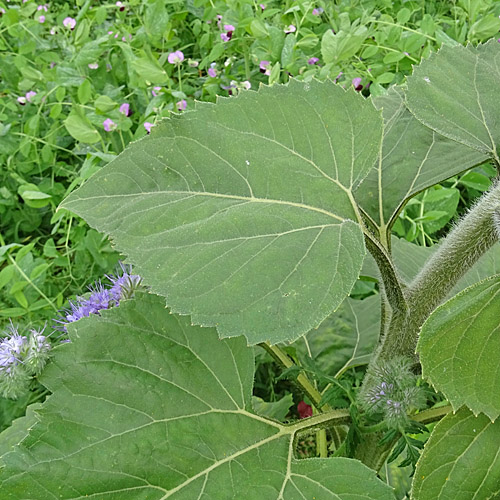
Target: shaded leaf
x,y
454,93
414,157
461,460
146,406
346,338
459,348
240,213
277,410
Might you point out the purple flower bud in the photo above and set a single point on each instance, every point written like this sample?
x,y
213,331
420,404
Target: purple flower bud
x,y
155,91
109,125
312,60
212,72
317,11
181,105
69,22
41,19
290,29
262,6
93,65
175,57
148,126
21,100
225,37
120,5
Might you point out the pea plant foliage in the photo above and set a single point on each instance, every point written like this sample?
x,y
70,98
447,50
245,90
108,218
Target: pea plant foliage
x,y
249,221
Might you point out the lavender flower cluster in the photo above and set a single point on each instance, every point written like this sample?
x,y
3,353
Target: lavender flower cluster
x,y
392,390
24,357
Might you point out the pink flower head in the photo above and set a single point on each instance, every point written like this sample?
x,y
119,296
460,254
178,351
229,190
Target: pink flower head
x,y
290,29
264,67
93,65
262,6
29,95
175,57
21,100
156,91
246,85
304,410
41,19
70,23
229,27
357,84
212,72
148,126
43,7
192,63
2,11
181,105
125,109
120,5
219,20
318,11
225,37
109,124
312,60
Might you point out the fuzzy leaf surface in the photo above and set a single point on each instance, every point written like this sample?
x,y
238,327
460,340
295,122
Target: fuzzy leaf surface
x,y
241,213
147,407
454,93
414,157
459,348
461,460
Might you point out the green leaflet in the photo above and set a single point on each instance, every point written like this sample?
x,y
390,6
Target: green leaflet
x,y
459,348
241,213
454,93
460,461
146,406
414,157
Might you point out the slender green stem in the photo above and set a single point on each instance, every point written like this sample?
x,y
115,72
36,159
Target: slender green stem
x,y
302,380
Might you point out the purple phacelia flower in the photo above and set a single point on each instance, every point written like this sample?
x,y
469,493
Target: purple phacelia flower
x,y
176,57
109,125
124,283
69,22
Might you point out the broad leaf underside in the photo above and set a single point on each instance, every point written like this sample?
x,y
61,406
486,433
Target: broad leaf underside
x,y
146,406
414,157
459,348
240,213
455,93
461,460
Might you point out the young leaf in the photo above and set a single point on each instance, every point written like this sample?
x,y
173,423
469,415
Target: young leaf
x,y
459,348
454,93
414,157
461,460
241,213
146,406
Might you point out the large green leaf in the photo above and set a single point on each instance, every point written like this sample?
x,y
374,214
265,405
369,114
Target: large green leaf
x,y
460,461
459,348
455,93
346,338
241,213
414,157
146,406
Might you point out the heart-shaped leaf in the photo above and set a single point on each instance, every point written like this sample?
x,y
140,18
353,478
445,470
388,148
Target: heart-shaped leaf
x,y
147,407
241,213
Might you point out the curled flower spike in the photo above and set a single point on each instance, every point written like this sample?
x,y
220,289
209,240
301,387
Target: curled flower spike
x,y
20,359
